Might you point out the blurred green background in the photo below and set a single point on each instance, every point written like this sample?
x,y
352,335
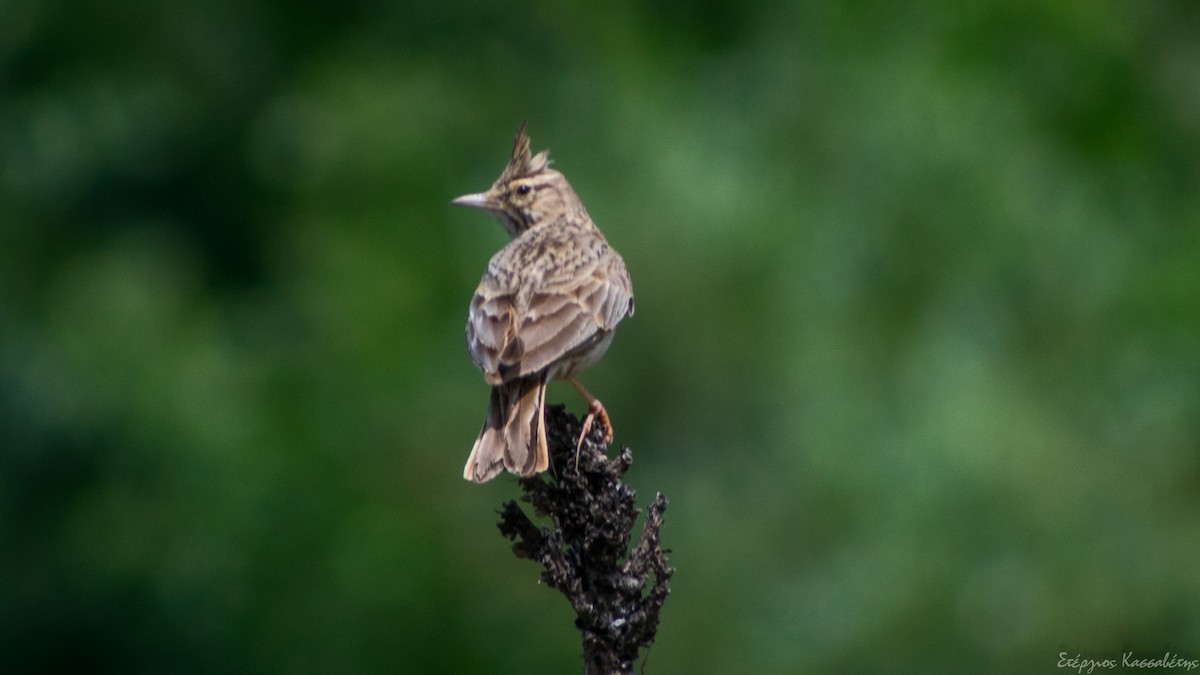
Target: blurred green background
x,y
916,356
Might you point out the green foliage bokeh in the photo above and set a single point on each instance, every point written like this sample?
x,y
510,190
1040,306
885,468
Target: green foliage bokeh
x,y
916,357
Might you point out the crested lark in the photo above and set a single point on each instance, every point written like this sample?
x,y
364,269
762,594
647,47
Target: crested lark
x,y
546,308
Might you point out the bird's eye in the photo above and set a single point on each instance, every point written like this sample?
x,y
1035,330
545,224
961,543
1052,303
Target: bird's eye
x,y
523,189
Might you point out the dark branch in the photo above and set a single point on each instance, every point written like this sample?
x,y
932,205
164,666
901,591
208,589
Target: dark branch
x,y
592,515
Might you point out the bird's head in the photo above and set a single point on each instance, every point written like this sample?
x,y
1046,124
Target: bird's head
x,y
527,193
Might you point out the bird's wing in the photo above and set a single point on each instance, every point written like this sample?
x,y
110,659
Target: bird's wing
x,y
491,327
514,332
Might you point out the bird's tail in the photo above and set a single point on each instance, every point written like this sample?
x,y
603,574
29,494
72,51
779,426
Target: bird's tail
x,y
514,432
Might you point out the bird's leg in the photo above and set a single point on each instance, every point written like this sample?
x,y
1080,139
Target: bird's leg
x,y
595,410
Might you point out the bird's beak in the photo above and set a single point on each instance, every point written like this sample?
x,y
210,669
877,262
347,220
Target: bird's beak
x,y
479,200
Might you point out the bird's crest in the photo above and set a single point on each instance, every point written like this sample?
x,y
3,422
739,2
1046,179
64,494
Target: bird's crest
x,y
522,163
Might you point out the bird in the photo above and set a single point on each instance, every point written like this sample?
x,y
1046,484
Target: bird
x,y
546,308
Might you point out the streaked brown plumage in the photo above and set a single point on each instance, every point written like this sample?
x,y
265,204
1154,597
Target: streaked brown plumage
x,y
546,308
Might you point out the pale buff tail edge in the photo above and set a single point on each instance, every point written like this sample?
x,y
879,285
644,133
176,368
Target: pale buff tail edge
x,y
514,432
